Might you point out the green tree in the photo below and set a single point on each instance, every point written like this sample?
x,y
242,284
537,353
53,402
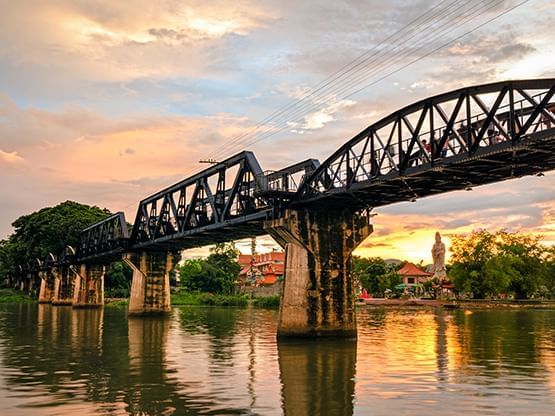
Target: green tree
x,y
550,272
117,281
48,230
487,264
375,275
215,274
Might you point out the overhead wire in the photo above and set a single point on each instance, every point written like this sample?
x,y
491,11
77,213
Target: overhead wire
x,y
343,86
379,65
428,15
350,94
338,74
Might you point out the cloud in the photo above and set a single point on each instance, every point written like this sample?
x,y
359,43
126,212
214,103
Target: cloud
x,y
11,158
106,102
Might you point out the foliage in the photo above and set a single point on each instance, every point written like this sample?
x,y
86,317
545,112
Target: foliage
x,y
268,302
46,231
208,299
375,275
487,264
214,274
122,303
13,296
117,281
550,273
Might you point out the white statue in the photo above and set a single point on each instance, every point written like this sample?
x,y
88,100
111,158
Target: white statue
x,y
438,255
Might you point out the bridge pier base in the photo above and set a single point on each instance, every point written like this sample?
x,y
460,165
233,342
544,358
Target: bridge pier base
x,y
150,287
88,291
47,283
63,287
318,293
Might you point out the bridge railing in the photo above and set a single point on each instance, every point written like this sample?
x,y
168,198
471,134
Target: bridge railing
x,y
427,132
217,195
286,180
107,236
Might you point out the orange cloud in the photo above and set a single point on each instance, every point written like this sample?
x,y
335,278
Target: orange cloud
x,y
12,157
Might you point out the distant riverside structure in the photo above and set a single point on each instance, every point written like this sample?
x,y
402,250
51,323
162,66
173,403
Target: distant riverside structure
x,y
261,274
412,275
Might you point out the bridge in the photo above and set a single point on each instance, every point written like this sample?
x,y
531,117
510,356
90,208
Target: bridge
x,y
318,212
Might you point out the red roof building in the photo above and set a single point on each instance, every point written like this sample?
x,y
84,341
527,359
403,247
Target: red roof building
x,y
413,275
261,269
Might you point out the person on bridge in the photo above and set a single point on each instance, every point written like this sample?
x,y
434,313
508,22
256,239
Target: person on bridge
x,y
491,132
545,118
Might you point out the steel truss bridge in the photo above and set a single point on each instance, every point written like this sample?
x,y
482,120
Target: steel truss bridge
x,y
457,140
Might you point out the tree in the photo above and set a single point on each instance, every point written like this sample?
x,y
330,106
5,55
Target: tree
x,y
487,264
550,272
48,230
375,275
117,280
215,274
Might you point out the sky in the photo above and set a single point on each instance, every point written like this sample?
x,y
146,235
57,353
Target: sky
x,y
106,102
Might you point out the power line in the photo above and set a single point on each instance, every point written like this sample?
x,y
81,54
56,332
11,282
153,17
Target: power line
x,y
334,76
358,77
346,69
391,61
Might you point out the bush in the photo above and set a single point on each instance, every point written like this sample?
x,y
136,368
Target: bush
x,y
208,299
14,296
269,302
117,292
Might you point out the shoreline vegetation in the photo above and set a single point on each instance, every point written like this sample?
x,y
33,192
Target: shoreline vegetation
x,y
272,302
460,303
209,299
15,296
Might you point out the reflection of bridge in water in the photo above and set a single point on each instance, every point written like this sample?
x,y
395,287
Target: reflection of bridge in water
x,y
318,212
227,361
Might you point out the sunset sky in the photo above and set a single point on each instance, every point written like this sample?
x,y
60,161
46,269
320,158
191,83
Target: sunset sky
x,y
106,102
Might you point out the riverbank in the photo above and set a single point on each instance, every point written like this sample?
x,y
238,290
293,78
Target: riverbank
x,y
14,296
209,299
459,304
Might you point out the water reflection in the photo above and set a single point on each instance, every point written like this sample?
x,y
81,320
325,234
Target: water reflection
x,y
149,390
317,377
436,362
61,361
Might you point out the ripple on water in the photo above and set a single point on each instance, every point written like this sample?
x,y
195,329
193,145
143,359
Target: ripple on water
x,y
227,361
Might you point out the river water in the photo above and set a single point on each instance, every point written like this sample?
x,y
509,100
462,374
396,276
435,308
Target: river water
x,y
218,361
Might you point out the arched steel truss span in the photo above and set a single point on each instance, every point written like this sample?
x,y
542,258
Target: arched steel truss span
x,y
471,136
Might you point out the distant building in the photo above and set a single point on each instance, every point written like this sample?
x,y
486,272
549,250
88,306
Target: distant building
x,y
261,274
412,275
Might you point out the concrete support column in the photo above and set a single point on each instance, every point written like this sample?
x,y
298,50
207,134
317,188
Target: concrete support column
x,y
150,288
88,291
318,293
46,286
63,286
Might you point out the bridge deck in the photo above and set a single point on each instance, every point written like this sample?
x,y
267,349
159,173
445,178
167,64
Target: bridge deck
x,y
453,141
501,161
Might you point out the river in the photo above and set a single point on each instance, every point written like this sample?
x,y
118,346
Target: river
x,y
224,361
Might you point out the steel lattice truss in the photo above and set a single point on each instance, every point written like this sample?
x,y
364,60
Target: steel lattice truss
x,y
67,256
107,238
229,200
467,137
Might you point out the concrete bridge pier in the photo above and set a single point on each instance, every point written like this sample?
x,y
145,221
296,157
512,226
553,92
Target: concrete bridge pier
x,y
47,283
150,287
318,292
63,286
88,291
